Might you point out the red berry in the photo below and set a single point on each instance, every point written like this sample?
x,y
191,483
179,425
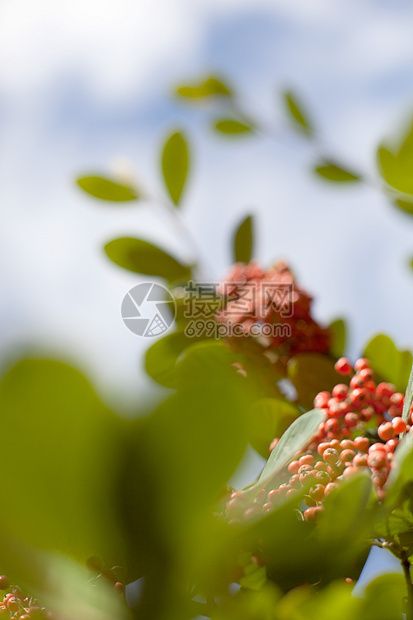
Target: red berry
x,y
399,425
361,443
366,374
361,364
386,431
340,391
385,390
331,456
377,446
322,446
317,492
119,587
360,460
311,513
347,455
294,467
4,582
343,366
307,459
377,459
351,419
321,400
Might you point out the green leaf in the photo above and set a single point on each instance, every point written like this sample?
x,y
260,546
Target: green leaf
x,y
105,189
244,241
337,174
161,357
211,87
312,373
232,127
297,113
401,476
63,444
408,397
338,337
142,257
295,438
395,163
175,163
270,418
388,362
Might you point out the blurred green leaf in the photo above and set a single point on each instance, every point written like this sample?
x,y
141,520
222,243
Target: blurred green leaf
x,y
312,373
175,164
338,337
161,357
295,438
384,598
388,362
249,604
270,418
143,257
232,127
105,189
63,445
297,113
243,241
332,172
210,87
191,445
395,163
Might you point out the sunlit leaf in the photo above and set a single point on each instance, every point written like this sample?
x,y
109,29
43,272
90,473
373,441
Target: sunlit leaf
x,y
244,241
297,113
395,163
295,438
105,189
408,398
337,174
175,163
143,257
270,418
211,87
232,127
388,362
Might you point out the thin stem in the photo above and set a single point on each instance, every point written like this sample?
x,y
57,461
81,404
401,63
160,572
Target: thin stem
x,y
406,570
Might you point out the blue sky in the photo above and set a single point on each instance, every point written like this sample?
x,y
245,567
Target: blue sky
x,y
85,85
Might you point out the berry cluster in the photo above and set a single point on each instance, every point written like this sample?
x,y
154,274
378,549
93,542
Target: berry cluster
x,y
362,431
18,605
272,300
